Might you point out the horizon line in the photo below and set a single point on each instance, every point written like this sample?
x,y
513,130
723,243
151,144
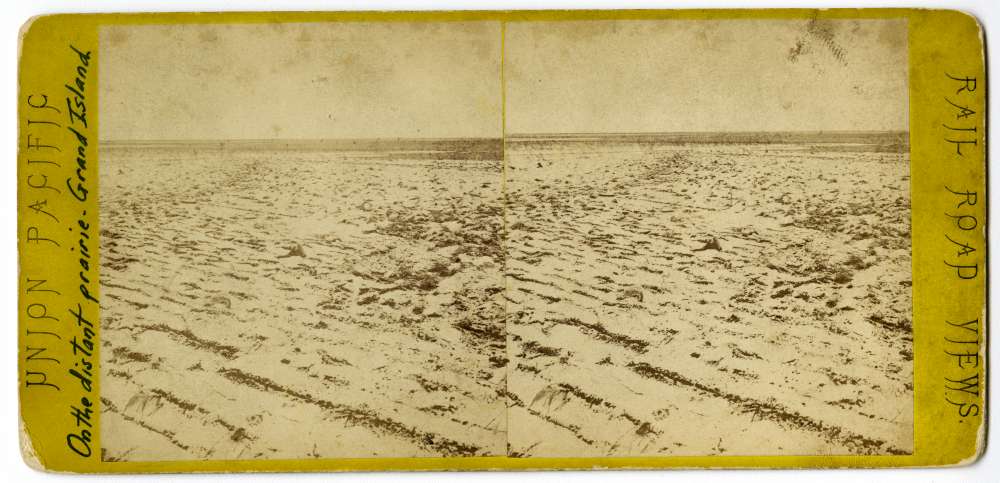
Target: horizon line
x,y
513,135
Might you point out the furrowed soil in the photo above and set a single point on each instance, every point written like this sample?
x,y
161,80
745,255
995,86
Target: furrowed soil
x,y
628,298
708,299
291,304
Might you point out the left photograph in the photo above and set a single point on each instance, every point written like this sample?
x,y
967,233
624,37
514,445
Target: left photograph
x,y
301,241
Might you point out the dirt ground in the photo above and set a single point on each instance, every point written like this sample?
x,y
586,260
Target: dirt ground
x,y
276,304
658,299
708,299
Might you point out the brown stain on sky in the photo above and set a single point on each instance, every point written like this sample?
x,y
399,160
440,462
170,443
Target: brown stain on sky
x,y
432,79
706,75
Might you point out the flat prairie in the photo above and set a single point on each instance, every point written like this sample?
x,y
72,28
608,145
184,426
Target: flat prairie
x,y
565,296
269,300
745,297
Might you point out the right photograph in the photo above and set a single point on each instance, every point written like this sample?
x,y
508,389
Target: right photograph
x,y
708,238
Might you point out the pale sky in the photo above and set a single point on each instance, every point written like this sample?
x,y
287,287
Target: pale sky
x,y
300,81
720,75
442,79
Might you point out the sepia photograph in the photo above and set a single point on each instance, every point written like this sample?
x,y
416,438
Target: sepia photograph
x,y
601,238
708,238
301,251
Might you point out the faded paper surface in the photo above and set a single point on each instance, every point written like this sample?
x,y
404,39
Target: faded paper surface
x,y
709,238
301,241
705,239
